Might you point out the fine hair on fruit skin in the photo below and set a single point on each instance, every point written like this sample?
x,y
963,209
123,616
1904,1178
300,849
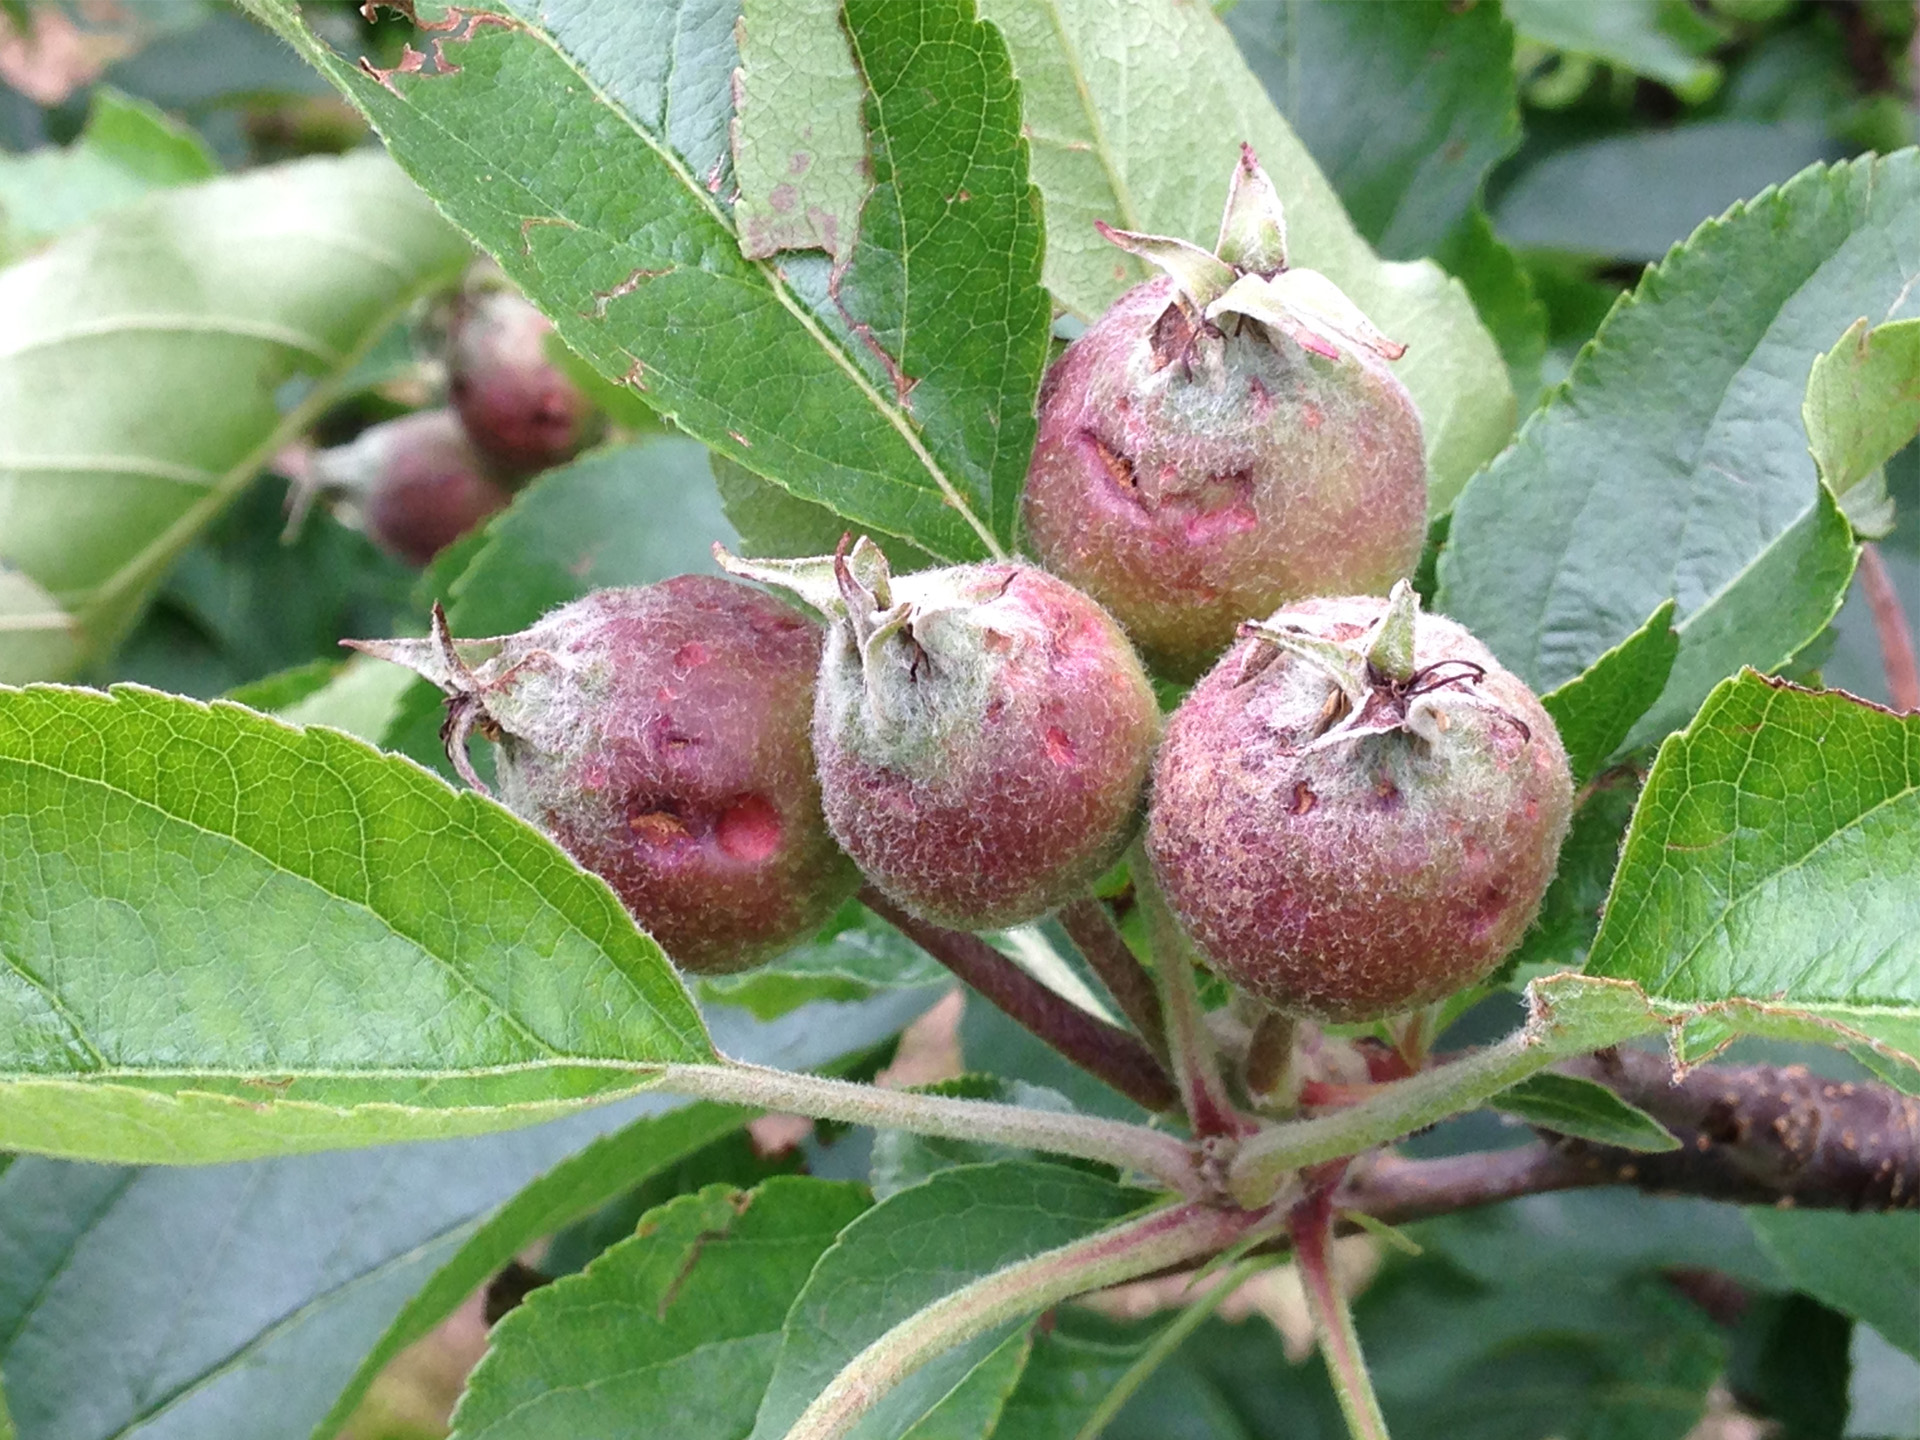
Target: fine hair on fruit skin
x,y
660,735
983,732
1224,439
1358,810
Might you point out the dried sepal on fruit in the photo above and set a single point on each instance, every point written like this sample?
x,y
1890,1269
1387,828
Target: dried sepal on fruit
x,y
659,734
983,731
1223,440
1358,810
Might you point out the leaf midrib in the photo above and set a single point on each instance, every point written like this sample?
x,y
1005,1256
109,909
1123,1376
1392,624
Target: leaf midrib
x,y
769,275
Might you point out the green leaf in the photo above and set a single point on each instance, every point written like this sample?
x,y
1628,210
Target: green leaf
x,y
127,149
1867,1266
145,355
581,1183
913,1249
1504,293
37,637
241,602
228,937
972,1409
1406,107
1568,1105
953,221
1767,876
1863,405
233,1302
628,515
188,1302
1640,36
1074,1363
855,956
1596,710
1632,196
901,396
283,688
799,147
1137,112
362,699
1673,464
682,1320
1790,1366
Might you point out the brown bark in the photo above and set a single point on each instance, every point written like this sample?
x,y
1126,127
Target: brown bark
x,y
1749,1135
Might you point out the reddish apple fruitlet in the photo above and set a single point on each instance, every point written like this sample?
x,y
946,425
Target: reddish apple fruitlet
x,y
1358,810
983,732
1224,440
519,408
660,736
419,483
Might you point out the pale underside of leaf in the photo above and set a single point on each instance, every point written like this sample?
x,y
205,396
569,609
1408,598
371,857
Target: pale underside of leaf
x,y
1136,115
1673,463
142,374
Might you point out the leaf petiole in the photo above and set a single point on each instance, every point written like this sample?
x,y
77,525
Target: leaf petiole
x,y
1162,1157
1158,1239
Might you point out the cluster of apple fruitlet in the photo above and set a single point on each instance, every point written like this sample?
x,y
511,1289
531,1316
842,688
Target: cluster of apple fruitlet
x,y
1353,814
418,483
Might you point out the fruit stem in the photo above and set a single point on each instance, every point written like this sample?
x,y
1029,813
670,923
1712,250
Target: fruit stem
x,y
1104,1050
1196,1063
1172,1335
1311,1224
1164,1157
1090,926
1273,1083
1155,1241
1397,1109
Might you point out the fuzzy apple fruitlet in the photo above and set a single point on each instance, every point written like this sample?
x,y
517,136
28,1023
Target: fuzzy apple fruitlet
x,y
1358,810
520,409
983,732
659,735
1225,439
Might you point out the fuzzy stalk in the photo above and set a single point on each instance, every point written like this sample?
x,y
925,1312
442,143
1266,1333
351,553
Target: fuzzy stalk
x,y
1265,1159
1311,1224
1090,926
1103,1050
1111,1142
1156,1241
1890,624
1196,1063
1272,1081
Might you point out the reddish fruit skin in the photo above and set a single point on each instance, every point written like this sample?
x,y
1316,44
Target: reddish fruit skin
x,y
666,750
519,409
1187,498
1019,779
428,485
1368,877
